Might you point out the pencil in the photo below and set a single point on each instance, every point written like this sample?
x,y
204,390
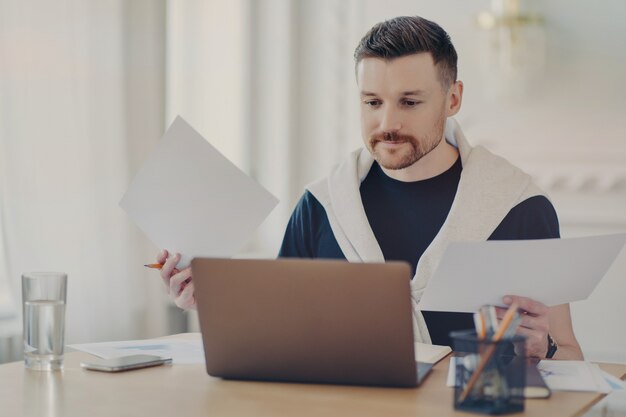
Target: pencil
x,y
479,323
506,321
154,266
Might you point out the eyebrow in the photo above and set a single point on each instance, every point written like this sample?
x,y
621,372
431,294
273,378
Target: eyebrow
x,y
404,93
414,93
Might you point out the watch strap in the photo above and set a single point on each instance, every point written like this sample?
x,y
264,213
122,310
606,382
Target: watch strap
x,y
552,347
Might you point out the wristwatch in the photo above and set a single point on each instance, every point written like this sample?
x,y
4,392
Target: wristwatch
x,y
552,347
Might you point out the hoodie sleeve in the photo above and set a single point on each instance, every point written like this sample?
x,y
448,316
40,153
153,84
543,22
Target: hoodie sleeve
x,y
308,233
533,218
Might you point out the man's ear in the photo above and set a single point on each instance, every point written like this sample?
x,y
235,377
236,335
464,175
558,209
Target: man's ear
x,y
454,98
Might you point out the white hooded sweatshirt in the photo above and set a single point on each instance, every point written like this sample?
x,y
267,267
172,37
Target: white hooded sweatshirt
x,y
488,189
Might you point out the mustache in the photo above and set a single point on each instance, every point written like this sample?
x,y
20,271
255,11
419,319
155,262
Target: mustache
x,y
391,137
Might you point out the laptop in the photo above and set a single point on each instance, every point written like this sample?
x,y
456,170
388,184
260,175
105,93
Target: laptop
x,y
309,321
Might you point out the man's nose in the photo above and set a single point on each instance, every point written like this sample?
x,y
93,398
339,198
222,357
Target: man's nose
x,y
390,121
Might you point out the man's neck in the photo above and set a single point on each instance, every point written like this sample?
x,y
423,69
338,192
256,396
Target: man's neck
x,y
436,162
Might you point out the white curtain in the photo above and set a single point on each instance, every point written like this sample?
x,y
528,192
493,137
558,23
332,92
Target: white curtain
x,y
8,306
271,85
81,101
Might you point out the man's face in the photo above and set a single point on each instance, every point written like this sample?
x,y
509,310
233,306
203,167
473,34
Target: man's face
x,y
403,108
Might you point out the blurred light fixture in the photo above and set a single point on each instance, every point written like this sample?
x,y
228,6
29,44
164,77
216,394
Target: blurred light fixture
x,y
516,40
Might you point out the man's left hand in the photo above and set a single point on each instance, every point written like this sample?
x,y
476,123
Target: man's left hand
x,y
534,325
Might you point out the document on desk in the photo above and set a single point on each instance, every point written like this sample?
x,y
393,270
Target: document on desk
x,y
574,376
563,376
182,351
552,271
188,198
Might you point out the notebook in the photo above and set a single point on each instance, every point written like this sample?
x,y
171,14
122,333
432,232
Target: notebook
x,y
431,353
536,386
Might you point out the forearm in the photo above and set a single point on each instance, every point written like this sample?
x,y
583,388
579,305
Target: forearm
x,y
569,352
562,331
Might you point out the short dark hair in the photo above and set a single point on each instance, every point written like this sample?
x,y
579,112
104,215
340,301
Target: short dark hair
x,y
408,35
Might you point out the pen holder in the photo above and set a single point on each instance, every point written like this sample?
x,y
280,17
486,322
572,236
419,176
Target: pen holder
x,y
499,386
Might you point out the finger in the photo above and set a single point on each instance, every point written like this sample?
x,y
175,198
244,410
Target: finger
x,y
183,285
536,342
531,337
526,304
162,256
539,323
500,312
177,281
186,299
168,268
166,280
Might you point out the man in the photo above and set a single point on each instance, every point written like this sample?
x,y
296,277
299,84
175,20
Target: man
x,y
416,186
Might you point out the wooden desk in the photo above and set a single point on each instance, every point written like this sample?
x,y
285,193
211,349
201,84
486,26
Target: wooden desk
x,y
186,390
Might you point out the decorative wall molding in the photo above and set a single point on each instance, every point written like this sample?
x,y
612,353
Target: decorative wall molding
x,y
592,181
587,171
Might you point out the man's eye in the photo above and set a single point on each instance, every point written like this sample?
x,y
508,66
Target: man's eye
x,y
411,103
373,103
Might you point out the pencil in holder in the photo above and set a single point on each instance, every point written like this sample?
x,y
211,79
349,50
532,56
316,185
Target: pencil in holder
x,y
498,387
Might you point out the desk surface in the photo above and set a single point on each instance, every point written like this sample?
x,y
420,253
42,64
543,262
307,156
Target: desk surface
x,y
187,390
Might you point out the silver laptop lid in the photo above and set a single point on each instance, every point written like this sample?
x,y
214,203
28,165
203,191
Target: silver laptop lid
x,y
306,320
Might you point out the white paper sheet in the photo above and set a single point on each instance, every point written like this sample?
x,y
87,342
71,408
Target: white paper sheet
x,y
615,383
613,405
573,376
182,351
188,198
552,271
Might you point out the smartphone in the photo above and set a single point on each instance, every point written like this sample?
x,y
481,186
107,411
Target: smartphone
x,y
125,363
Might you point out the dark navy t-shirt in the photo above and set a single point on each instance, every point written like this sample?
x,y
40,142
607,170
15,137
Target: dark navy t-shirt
x,y
405,218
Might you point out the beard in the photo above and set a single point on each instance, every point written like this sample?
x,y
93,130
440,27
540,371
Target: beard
x,y
411,151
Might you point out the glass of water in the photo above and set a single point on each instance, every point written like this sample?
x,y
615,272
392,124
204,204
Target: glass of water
x,y
43,302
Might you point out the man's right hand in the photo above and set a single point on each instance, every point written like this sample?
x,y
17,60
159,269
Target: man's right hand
x,y
179,283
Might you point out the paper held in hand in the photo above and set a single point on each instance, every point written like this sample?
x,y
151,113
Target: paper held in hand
x,y
552,271
188,198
